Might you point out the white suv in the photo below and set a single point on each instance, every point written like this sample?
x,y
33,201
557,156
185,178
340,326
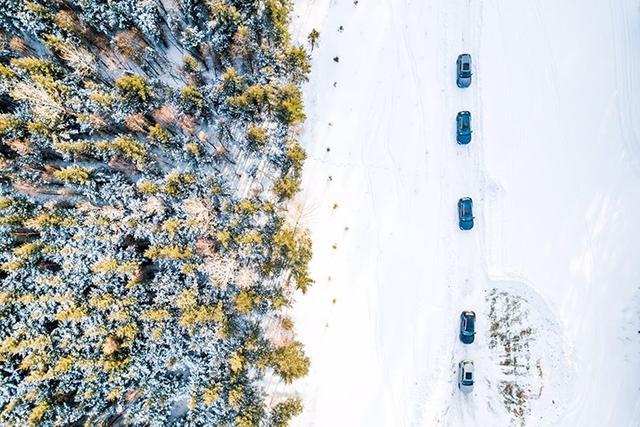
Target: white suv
x,y
465,376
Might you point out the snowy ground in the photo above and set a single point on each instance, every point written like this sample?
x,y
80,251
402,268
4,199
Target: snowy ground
x,y
554,171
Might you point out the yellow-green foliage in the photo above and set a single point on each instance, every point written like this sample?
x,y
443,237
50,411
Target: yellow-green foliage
x,y
54,88
278,11
218,313
197,315
256,96
110,265
247,206
251,237
173,252
37,413
171,226
235,396
147,187
6,202
35,66
193,313
176,182
126,333
73,174
256,135
54,44
75,148
38,9
188,268
14,219
187,298
12,265
289,362
102,302
295,251
296,155
192,96
14,345
286,186
298,61
8,123
245,420
230,81
72,314
246,300
224,236
130,149
65,20
290,104
193,149
46,219
134,86
39,128
190,64
63,365
242,41
211,394
26,250
102,99
236,362
6,73
223,12
284,411
158,134
156,315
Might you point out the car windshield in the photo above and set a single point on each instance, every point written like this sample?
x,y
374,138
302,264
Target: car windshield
x,y
470,323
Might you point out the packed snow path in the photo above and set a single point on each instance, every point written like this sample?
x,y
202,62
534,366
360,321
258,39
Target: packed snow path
x,y
554,171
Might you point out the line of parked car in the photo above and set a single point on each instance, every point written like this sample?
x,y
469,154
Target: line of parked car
x,y
465,222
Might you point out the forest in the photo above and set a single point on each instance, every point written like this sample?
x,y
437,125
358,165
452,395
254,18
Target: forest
x,y
148,153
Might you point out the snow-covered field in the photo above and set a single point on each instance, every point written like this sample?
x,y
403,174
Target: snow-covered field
x,y
551,267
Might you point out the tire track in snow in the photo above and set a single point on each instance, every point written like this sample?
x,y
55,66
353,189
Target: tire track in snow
x,y
470,248
399,32
436,393
626,66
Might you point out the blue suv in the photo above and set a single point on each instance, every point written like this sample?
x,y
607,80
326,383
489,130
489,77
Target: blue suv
x,y
467,326
465,213
463,127
463,67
